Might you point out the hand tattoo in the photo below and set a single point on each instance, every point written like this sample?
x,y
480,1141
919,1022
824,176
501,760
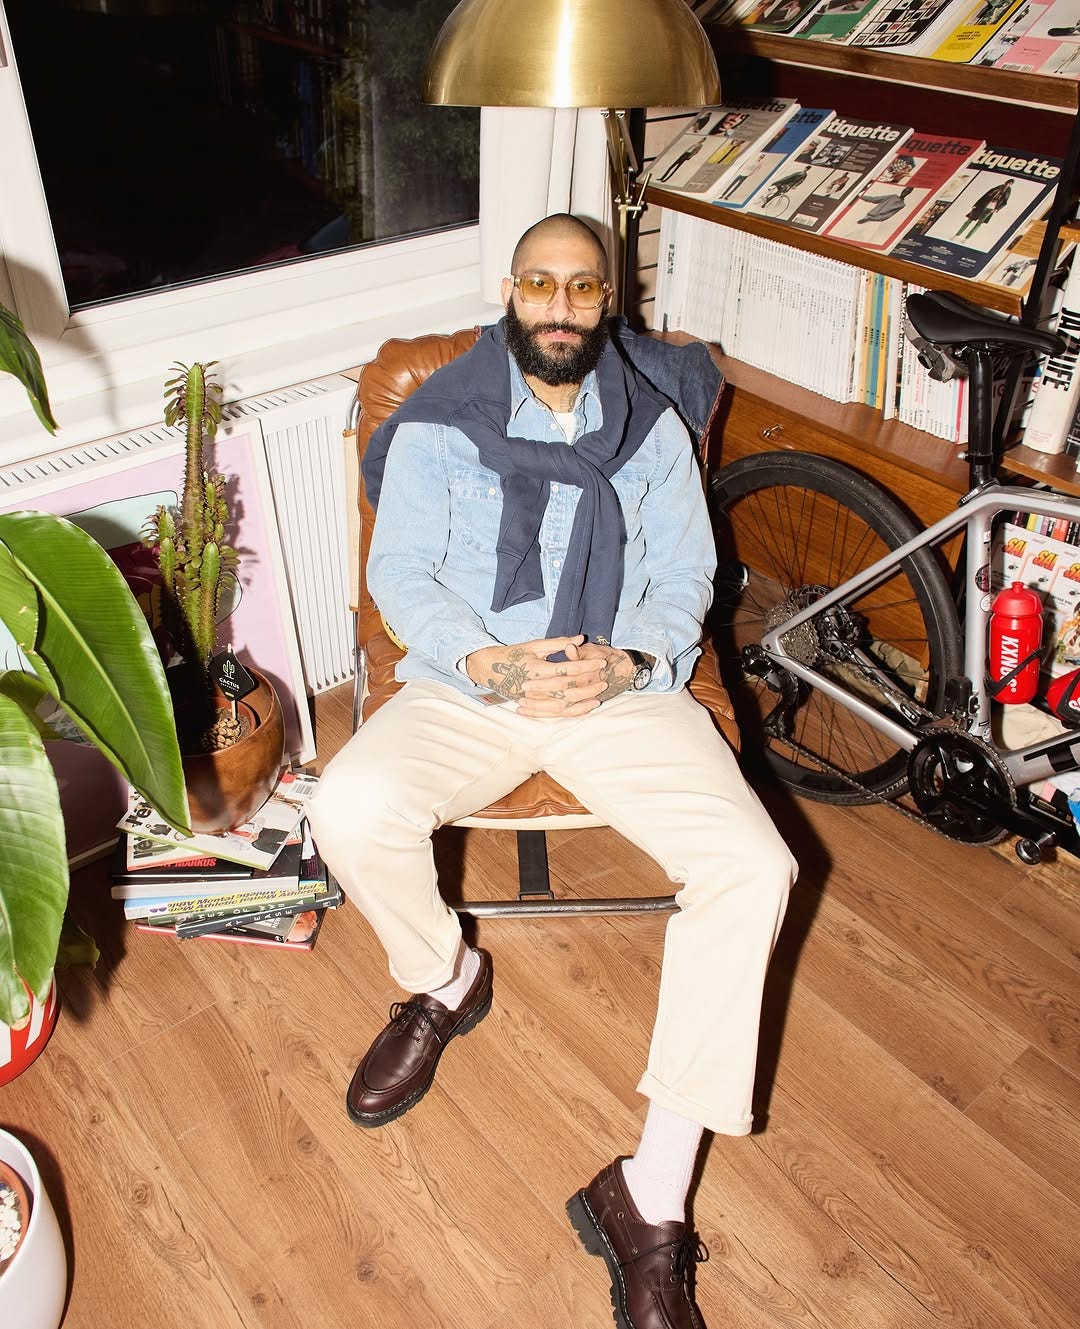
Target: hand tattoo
x,y
615,683
514,672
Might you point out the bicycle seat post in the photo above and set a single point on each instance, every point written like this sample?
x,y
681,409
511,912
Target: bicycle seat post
x,y
980,445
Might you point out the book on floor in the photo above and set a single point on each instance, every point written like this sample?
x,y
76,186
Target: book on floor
x,y
810,188
883,209
703,156
303,932
256,843
179,873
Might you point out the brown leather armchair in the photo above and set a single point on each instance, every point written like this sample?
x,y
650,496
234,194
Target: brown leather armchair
x,y
540,803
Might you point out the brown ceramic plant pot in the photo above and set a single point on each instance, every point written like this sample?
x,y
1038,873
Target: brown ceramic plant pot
x,y
224,788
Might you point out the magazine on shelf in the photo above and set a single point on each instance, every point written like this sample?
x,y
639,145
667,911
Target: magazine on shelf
x,y
704,155
908,27
1050,44
754,175
809,189
980,208
1014,266
256,843
879,214
982,22
781,16
997,48
837,20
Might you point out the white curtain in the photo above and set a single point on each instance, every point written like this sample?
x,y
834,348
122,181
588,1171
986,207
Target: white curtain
x,y
533,162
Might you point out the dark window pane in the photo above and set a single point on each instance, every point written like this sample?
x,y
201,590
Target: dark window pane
x,y
180,140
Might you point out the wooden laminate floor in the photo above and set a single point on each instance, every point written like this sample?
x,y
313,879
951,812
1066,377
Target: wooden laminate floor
x,y
915,1161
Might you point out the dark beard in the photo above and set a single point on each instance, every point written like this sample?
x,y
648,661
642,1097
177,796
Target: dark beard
x,y
563,366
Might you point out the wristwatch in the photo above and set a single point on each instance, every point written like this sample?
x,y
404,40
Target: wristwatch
x,y
642,669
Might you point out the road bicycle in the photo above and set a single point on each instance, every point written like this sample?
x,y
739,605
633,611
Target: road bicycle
x,y
856,656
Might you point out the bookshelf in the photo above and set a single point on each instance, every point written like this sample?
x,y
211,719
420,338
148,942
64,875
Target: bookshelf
x,y
763,411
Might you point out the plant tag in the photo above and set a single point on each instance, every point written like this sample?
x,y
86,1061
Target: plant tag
x,y
230,675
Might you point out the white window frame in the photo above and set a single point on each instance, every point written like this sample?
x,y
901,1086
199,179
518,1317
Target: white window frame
x,y
105,365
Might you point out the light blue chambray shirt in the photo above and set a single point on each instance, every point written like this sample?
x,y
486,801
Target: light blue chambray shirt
x,y
432,563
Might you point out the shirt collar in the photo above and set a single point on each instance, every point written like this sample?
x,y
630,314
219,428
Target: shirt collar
x,y
588,399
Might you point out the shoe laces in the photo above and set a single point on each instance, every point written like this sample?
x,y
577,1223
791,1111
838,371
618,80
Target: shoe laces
x,y
687,1252
410,1016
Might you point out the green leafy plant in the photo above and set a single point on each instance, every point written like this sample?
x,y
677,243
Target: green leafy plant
x,y
77,623
195,562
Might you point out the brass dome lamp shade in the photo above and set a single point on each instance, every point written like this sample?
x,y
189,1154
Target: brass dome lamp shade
x,y
613,54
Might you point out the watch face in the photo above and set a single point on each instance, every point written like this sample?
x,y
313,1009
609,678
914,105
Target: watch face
x,y
642,675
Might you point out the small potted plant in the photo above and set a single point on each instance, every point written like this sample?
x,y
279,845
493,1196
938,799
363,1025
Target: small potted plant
x,y
33,1263
232,749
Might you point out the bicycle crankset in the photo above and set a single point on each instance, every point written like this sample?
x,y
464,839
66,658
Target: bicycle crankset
x,y
960,786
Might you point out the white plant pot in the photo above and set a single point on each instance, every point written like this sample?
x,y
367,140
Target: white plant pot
x,y
34,1285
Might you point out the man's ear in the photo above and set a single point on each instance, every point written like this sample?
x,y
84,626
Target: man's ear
x,y
507,289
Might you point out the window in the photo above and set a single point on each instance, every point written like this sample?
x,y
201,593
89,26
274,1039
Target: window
x,y
183,141
247,180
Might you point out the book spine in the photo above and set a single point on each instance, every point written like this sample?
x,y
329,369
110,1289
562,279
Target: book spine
x,y
201,925
1056,401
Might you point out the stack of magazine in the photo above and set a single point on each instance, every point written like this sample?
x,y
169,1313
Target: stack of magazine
x,y
1029,36
262,883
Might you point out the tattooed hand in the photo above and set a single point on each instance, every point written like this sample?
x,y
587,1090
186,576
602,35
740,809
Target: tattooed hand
x,y
590,675
541,687
617,670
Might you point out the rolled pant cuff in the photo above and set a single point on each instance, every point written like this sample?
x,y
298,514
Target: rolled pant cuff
x,y
693,1111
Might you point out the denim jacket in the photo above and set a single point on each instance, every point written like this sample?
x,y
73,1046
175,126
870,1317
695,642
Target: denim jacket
x,y
432,563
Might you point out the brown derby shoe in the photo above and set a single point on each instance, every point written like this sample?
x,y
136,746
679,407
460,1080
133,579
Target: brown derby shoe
x,y
400,1065
651,1265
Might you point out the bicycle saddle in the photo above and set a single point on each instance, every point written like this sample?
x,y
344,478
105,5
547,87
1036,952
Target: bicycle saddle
x,y
944,319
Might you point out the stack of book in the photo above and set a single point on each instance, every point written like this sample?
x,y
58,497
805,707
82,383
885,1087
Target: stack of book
x,y
263,883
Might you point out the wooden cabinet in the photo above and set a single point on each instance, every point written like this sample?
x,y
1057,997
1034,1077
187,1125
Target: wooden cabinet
x,y
1005,108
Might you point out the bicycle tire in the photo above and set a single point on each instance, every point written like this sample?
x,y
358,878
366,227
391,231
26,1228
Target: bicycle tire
x,y
797,520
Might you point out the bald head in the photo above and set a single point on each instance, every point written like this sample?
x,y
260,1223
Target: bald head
x,y
558,229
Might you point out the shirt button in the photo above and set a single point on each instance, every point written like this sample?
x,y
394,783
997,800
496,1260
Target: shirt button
x,y
491,492
556,563
554,488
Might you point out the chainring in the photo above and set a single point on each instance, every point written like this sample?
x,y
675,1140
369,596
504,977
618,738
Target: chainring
x,y
960,785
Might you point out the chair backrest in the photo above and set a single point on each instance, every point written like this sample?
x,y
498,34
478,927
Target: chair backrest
x,y
397,371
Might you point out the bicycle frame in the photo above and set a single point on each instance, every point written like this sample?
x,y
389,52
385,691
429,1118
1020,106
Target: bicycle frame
x,y
975,515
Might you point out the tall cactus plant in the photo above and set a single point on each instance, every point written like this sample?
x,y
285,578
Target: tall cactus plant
x,y
195,562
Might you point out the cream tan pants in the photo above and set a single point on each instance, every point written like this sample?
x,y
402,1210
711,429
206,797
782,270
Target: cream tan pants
x,y
656,770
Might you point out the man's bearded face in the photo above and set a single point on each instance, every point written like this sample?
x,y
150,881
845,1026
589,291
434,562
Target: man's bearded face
x,y
558,364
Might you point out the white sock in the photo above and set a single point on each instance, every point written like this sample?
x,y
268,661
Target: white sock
x,y
452,994
658,1176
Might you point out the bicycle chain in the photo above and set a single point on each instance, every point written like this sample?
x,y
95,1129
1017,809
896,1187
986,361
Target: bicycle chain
x,y
874,797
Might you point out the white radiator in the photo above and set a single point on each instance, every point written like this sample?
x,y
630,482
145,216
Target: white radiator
x,y
301,428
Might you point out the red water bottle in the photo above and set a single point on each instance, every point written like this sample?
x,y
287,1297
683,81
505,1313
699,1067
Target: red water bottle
x,y
1015,638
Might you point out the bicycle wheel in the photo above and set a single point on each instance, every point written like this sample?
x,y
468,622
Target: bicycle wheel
x,y
799,525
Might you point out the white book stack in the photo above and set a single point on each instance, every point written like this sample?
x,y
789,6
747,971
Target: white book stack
x,y
810,320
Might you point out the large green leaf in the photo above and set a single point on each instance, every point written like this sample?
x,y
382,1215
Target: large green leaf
x,y
94,651
18,357
33,863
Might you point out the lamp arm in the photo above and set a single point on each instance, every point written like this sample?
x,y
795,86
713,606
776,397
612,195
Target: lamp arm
x,y
628,193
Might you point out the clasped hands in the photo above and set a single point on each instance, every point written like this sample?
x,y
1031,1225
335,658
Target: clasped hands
x,y
590,675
